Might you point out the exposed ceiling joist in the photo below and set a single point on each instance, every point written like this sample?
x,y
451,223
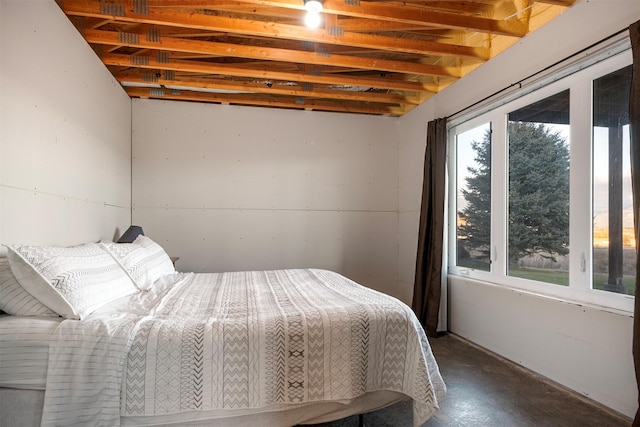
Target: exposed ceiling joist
x,y
367,57
265,53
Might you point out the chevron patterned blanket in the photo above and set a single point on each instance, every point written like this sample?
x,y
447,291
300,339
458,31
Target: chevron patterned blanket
x,y
241,340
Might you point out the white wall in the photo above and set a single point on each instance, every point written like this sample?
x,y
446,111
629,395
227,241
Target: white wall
x,y
234,188
580,347
586,349
65,133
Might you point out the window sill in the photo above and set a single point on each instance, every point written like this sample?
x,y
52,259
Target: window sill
x,y
557,299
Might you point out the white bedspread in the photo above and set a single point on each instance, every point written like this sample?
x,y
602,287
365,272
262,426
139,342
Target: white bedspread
x,y
234,341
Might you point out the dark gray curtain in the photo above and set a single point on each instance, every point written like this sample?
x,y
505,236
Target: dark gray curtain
x,y
634,120
426,288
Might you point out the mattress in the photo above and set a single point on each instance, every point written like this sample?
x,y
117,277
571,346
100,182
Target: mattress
x,y
24,350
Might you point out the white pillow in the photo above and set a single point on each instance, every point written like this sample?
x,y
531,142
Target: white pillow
x,y
144,260
71,281
14,299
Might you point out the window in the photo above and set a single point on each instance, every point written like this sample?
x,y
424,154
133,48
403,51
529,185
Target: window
x,y
614,246
473,151
538,226
542,195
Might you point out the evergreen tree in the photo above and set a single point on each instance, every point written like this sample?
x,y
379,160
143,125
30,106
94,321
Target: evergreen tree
x,y
475,226
538,194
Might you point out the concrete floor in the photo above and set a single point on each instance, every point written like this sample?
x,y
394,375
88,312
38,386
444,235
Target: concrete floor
x,y
484,390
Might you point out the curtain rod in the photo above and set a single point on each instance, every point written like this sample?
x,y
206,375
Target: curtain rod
x,y
537,73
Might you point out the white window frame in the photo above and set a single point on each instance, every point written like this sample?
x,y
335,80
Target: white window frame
x,y
577,75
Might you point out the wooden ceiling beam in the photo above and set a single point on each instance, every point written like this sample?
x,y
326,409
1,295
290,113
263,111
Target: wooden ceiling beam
x,y
234,7
463,6
270,29
408,14
358,25
402,12
274,88
265,53
239,71
563,3
265,101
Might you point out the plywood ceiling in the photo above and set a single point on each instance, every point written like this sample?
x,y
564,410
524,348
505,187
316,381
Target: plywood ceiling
x,y
369,57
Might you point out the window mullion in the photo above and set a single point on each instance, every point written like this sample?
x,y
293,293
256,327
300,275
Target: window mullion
x,y
580,187
452,200
499,188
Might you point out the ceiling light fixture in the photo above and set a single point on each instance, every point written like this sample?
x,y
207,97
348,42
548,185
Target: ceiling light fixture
x,y
313,6
312,18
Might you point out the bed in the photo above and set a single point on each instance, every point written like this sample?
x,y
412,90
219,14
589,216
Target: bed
x,y
110,334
